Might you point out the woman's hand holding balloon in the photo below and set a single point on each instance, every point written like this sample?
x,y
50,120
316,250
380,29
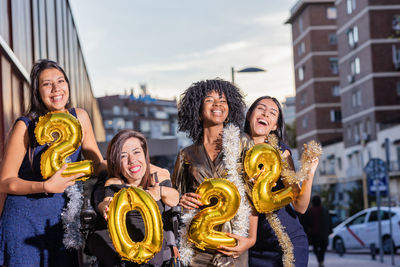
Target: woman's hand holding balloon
x,y
243,244
58,183
190,201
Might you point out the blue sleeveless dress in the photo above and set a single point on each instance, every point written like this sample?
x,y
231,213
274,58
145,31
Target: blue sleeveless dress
x,y
267,251
31,230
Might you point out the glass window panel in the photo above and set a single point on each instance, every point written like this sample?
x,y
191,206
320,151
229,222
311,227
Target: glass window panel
x,y
357,67
331,13
355,34
4,21
51,30
16,97
60,5
358,220
36,31
7,93
42,29
21,27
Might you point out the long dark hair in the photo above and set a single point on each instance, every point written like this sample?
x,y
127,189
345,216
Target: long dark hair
x,y
114,155
191,104
37,107
280,129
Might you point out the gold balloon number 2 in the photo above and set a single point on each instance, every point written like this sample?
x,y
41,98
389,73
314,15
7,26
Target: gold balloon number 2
x,y
64,133
263,162
202,227
128,199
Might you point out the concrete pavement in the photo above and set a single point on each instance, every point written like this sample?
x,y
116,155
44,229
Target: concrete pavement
x,y
352,259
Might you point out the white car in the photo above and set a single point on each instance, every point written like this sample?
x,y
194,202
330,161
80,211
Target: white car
x,y
361,231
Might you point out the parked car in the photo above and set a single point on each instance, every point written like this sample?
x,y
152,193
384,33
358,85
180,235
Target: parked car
x,y
361,231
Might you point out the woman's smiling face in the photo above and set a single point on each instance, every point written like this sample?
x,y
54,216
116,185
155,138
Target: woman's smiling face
x,y
53,89
264,118
133,161
215,109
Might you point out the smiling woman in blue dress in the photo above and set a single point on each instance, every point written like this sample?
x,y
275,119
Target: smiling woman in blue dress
x,y
31,233
263,118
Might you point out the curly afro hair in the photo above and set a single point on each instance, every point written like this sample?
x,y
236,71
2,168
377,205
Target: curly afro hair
x,y
191,103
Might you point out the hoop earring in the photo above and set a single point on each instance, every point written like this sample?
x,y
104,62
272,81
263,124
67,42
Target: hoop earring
x,y
226,120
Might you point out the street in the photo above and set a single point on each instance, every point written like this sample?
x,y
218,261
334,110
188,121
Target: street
x,y
359,258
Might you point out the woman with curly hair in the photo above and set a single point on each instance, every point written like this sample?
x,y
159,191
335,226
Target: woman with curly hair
x,y
204,110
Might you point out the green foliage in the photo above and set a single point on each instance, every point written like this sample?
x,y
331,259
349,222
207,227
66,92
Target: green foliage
x,y
291,134
356,202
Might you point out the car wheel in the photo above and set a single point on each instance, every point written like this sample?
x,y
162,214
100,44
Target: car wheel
x,y
339,246
387,243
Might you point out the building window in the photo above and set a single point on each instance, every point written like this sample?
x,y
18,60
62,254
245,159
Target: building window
x,y
301,49
339,163
398,88
336,90
300,24
118,123
356,133
355,66
349,133
396,23
352,36
331,13
303,99
356,98
144,126
301,73
108,124
336,115
304,122
129,125
396,57
368,126
116,110
351,6
332,38
165,128
333,63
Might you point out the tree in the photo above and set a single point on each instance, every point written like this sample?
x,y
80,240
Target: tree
x,y
356,202
291,134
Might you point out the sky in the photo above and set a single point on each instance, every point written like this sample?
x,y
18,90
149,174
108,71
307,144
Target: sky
x,y
168,45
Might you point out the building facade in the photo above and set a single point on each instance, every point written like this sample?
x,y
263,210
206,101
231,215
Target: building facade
x,y
31,30
155,118
315,56
366,87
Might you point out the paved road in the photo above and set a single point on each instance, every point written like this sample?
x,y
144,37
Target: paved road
x,y
353,259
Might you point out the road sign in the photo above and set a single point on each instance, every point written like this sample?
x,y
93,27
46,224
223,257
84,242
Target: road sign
x,y
377,176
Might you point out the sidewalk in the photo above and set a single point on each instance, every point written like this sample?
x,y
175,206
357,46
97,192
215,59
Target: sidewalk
x,y
353,260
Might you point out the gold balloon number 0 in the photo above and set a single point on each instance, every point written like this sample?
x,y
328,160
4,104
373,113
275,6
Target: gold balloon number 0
x,y
63,131
202,227
128,199
264,162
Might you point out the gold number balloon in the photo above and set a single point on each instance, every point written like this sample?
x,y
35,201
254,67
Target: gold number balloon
x,y
128,199
264,162
64,132
202,227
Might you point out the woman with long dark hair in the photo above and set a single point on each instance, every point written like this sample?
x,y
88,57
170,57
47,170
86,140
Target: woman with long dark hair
x,y
31,230
265,118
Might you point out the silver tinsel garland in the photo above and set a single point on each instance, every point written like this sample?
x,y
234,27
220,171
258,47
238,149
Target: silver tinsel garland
x,y
71,217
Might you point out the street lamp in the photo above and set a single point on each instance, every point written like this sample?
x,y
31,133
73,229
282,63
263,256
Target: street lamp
x,y
251,69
